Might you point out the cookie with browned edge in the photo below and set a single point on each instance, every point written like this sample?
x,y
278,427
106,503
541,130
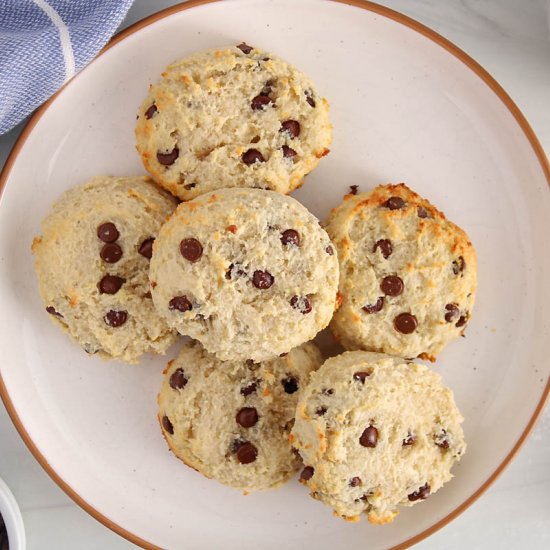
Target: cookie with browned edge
x,y
247,272
376,433
92,263
233,117
407,274
231,420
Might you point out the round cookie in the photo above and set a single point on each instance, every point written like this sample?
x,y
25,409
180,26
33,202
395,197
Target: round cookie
x,y
407,274
247,272
236,117
231,420
92,262
376,432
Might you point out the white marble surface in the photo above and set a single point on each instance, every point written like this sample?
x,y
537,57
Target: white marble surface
x,y
511,39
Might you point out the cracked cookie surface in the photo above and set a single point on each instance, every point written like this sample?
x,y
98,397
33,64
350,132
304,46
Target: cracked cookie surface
x,y
407,274
376,432
247,272
231,420
92,262
236,117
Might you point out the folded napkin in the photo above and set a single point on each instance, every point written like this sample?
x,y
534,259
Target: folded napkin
x,y
44,43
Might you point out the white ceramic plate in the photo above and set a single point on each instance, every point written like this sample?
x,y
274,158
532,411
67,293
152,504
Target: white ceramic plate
x,y
404,108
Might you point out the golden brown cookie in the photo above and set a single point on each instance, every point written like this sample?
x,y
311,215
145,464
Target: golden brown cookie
x,y
376,432
231,420
407,274
235,117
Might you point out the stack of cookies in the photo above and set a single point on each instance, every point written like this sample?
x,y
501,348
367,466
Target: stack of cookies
x,y
249,274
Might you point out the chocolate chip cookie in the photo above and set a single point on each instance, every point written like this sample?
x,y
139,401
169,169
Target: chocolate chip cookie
x,y
247,272
376,432
231,420
235,117
92,262
407,274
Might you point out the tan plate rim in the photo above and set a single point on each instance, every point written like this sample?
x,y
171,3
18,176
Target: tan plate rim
x,y
385,12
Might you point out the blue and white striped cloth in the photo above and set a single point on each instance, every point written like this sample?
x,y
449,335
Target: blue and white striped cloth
x,y
44,43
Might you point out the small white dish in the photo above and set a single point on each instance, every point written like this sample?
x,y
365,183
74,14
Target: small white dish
x,y
9,510
406,106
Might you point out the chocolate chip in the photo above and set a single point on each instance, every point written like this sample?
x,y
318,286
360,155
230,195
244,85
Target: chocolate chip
x,y
51,310
178,381
353,189
320,411
245,48
374,308
266,90
409,440
148,295
166,159
167,425
191,249
421,494
252,365
328,391
452,312
405,323
422,212
369,437
246,453
459,265
151,111
361,375
291,127
329,250
290,384
181,303
252,156
247,417
262,279
394,203
462,321
111,253
442,440
354,482
115,318
290,236
288,153
302,304
392,285
251,388
309,98
259,102
385,247
255,139
307,473
110,284
108,232
146,247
